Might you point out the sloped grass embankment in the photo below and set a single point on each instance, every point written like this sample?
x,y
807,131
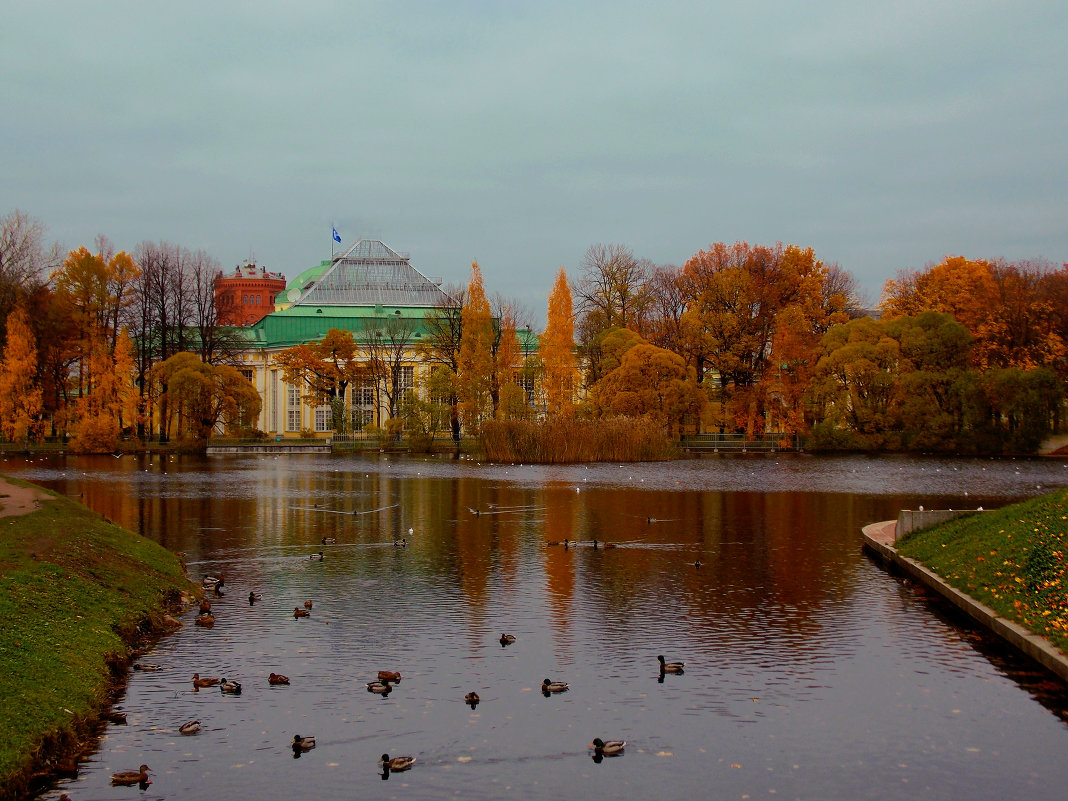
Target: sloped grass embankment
x,y
75,590
1011,559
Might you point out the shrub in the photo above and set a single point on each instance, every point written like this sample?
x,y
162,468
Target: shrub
x,y
563,440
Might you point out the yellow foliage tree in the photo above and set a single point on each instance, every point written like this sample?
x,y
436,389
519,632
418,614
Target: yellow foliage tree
x,y
202,395
20,392
505,360
651,381
557,350
476,354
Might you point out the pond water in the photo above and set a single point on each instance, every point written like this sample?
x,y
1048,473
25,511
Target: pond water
x,y
810,671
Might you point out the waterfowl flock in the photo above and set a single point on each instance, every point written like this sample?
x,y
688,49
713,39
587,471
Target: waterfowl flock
x,y
382,685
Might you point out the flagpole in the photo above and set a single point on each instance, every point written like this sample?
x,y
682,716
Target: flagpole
x,y
332,229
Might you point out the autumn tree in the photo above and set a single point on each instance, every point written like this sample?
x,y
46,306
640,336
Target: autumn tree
x,y
1014,310
100,414
612,290
856,381
906,383
389,341
651,381
735,296
440,349
667,304
162,315
200,396
57,338
215,343
25,260
507,396
20,392
933,350
475,361
556,351
325,369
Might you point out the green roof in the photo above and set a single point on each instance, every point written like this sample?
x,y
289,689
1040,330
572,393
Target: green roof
x,y
299,324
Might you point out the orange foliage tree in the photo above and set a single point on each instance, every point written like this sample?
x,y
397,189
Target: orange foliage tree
x,y
651,381
20,392
1015,311
736,299
201,396
476,354
556,350
101,413
325,368
508,397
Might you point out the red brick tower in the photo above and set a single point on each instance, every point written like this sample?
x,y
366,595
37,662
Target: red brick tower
x,y
247,294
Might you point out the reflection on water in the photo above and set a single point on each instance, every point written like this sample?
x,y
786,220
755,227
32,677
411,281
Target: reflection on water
x,y
810,672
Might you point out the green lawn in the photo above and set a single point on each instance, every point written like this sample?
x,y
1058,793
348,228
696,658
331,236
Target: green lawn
x,y
1012,559
72,587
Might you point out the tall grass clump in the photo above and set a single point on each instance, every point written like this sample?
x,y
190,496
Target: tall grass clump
x,y
561,440
75,589
1012,559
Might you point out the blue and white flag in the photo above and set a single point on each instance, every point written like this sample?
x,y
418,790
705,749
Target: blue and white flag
x,y
337,236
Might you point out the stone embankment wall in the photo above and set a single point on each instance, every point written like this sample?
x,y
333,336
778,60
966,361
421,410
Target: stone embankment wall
x,y
879,539
909,520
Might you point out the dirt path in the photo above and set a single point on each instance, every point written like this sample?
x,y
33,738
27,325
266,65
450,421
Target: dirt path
x,y
16,500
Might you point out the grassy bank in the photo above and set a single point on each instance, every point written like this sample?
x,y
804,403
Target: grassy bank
x,y
1012,559
75,589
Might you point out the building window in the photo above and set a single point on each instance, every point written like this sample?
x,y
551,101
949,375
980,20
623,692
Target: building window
x,y
405,378
272,424
322,418
292,409
525,379
247,374
363,404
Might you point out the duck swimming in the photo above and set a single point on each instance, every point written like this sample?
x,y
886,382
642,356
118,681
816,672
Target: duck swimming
x,y
472,699
298,612
207,681
277,678
253,597
303,743
189,727
389,676
230,687
379,687
207,620
553,686
670,667
397,763
608,747
507,639
128,777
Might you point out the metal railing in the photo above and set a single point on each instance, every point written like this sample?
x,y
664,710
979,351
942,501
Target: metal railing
x,y
740,443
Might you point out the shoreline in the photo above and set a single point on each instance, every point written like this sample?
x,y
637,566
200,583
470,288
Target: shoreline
x,y
59,563
879,540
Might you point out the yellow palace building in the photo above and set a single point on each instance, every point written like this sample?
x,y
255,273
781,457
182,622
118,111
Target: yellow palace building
x,y
370,290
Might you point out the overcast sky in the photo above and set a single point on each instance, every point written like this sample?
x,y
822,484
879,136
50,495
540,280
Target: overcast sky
x,y
884,135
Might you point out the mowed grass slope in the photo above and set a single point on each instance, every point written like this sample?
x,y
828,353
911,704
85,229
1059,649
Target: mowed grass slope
x,y
1012,559
72,587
